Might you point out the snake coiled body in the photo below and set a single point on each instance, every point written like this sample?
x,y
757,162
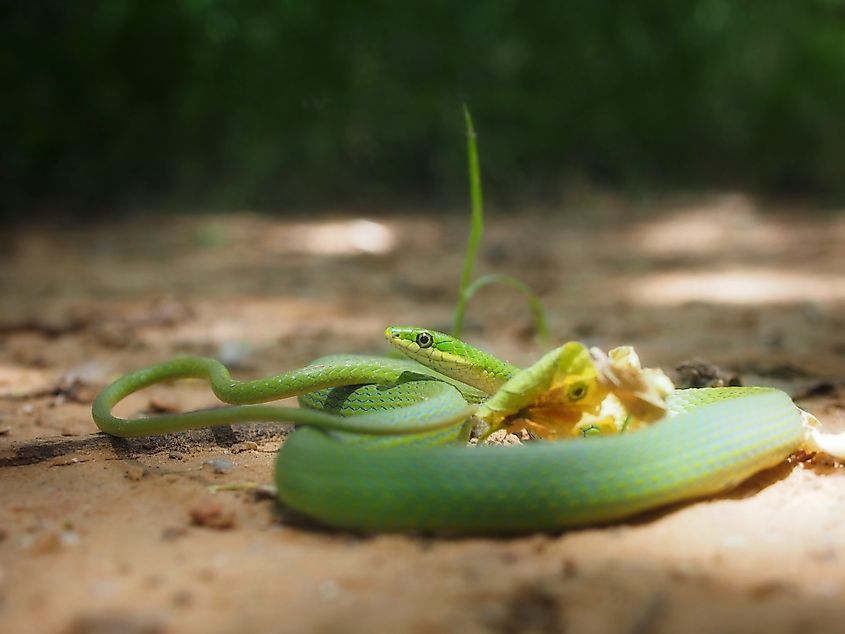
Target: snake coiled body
x,y
383,445
729,434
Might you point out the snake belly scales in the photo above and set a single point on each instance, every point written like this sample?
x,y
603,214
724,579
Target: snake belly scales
x,y
346,464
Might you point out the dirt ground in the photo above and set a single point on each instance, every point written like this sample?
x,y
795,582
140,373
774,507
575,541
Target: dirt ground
x,y
99,535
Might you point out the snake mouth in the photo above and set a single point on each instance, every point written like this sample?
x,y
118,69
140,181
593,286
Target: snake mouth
x,y
391,334
395,339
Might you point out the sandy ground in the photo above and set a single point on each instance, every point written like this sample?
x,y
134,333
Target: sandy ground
x,y
103,535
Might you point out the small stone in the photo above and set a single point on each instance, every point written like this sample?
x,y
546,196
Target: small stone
x,y
176,455
182,598
265,492
66,462
136,472
503,437
220,465
172,533
5,430
45,542
68,538
211,514
569,568
769,588
244,446
699,373
497,437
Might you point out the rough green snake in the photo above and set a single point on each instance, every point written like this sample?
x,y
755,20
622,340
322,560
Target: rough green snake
x,y
381,442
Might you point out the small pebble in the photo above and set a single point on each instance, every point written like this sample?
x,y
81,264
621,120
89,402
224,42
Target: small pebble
x,y
220,465
66,462
136,472
44,542
502,437
770,588
50,540
68,538
569,568
211,514
172,533
244,446
182,598
234,354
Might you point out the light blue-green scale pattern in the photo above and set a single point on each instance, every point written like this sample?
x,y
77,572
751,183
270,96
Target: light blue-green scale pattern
x,y
547,485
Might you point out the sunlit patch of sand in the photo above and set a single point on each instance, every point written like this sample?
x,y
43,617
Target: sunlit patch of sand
x,y
737,286
334,237
726,225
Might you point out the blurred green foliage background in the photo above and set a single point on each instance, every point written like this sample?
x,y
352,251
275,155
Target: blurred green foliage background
x,y
306,102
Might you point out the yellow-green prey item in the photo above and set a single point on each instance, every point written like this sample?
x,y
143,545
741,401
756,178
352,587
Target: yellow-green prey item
x,y
381,443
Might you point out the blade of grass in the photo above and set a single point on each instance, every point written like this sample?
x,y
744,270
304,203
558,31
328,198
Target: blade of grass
x,y
468,288
534,302
476,221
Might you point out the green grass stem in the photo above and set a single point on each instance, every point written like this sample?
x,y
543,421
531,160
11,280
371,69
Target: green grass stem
x,y
467,287
531,297
476,229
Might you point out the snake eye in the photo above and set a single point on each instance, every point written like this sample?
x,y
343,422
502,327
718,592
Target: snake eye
x,y
577,391
424,340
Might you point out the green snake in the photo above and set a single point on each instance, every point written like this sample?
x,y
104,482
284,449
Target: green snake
x,y
381,442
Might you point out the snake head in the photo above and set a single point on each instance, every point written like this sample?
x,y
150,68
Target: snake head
x,y
450,356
